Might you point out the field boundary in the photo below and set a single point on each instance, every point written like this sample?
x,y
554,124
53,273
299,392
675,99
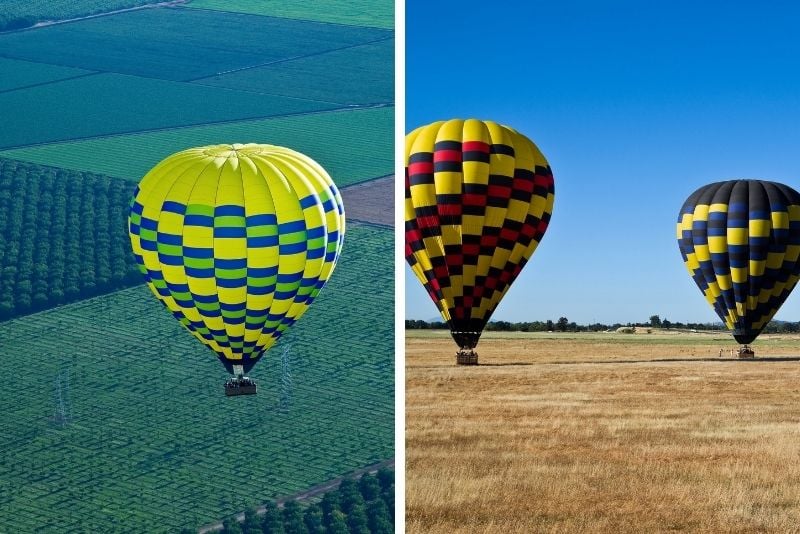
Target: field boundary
x,y
305,495
210,123
188,6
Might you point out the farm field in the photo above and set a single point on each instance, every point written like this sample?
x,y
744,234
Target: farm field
x,y
351,12
19,13
117,421
130,431
19,74
349,144
602,432
217,42
137,104
301,77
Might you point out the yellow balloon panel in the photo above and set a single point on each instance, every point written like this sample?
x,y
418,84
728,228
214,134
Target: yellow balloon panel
x,y
237,241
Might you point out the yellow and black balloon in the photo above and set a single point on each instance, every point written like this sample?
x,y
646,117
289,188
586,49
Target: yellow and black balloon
x,y
740,241
478,199
237,241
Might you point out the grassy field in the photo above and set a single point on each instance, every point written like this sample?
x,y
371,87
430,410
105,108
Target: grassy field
x,y
137,104
327,77
602,433
179,44
143,439
18,73
32,11
351,145
350,12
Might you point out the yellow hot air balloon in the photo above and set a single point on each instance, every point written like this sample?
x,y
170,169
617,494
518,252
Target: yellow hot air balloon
x,y
478,200
237,241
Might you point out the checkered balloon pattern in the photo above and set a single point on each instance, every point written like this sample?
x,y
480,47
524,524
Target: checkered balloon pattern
x,y
478,200
237,241
740,241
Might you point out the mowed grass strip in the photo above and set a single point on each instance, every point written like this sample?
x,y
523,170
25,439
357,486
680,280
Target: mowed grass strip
x,y
520,445
118,422
353,145
352,12
360,75
179,44
106,104
17,73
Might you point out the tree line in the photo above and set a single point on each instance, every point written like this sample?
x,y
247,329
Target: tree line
x,y
63,236
363,506
562,324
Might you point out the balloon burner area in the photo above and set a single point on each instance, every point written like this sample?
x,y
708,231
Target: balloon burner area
x,y
239,384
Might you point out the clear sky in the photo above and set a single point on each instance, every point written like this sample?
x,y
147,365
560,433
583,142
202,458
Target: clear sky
x,y
635,105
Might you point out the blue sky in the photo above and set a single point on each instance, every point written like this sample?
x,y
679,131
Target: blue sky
x,y
635,105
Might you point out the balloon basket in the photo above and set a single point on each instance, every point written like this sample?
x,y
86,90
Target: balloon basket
x,y
240,385
745,352
467,357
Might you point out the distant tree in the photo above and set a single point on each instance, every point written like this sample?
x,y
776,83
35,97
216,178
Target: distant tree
x,y
357,520
562,324
231,526
388,497
312,517
378,518
293,518
369,487
549,325
385,477
272,521
655,321
329,504
338,523
350,495
666,324
252,523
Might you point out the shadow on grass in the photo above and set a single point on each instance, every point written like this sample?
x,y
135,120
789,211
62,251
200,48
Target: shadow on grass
x,y
607,362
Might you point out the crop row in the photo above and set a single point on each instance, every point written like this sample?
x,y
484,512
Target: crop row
x,y
24,13
327,77
125,409
62,236
350,12
179,44
353,145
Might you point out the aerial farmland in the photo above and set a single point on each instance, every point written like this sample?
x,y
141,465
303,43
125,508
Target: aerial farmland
x,y
114,419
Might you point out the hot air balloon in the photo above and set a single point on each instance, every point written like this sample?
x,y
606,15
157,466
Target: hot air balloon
x,y
478,200
237,241
740,241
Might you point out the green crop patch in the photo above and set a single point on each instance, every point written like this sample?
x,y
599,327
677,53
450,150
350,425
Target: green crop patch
x,y
63,237
352,12
23,13
18,73
359,75
106,104
353,145
117,421
179,44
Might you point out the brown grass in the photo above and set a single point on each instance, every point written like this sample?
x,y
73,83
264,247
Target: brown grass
x,y
607,440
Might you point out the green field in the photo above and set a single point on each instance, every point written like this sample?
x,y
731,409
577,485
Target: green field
x,y
352,145
126,104
352,12
18,73
22,13
143,439
327,77
179,44
63,237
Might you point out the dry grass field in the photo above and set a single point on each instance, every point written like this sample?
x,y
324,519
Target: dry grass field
x,y
602,433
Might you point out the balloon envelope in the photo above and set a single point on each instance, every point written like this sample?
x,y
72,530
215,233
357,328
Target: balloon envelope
x,y
237,241
740,241
478,200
